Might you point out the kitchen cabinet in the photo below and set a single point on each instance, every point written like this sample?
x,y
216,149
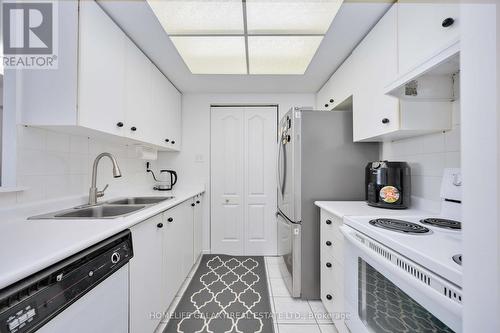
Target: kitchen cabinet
x,y
339,87
163,258
148,286
424,30
104,86
198,226
332,268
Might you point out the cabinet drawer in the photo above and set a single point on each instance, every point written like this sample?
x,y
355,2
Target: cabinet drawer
x,y
332,289
330,225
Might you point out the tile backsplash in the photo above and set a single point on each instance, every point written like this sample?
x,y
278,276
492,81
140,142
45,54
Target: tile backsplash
x,y
428,155
55,165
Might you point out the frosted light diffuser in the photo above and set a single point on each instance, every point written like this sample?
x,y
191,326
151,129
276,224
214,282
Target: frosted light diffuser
x,y
199,17
290,16
281,54
212,54
246,36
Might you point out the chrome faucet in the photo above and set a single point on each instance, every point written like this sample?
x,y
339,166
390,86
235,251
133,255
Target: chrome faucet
x,y
94,193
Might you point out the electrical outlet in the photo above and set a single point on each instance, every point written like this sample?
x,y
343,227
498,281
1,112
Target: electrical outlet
x,y
198,158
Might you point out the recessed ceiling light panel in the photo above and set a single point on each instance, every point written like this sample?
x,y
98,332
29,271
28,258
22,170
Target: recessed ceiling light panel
x,y
199,17
281,54
290,16
212,54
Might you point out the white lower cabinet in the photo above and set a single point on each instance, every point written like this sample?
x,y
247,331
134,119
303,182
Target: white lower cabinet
x,y
198,226
332,268
163,257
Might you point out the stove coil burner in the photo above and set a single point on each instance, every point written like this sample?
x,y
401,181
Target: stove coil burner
x,y
443,223
458,259
400,226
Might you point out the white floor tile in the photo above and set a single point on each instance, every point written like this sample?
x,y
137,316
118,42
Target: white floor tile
x,y
279,288
273,260
320,313
328,328
298,328
273,271
293,311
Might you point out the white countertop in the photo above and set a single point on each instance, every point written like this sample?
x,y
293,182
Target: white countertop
x,y
27,246
361,208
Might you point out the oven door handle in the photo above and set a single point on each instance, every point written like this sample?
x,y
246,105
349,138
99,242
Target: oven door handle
x,y
430,293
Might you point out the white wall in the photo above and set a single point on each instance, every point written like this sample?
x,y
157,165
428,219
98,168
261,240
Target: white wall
x,y
428,155
54,165
193,162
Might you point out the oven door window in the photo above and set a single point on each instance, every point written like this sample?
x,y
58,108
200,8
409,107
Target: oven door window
x,y
383,307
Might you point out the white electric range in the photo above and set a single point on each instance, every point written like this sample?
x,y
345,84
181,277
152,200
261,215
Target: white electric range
x,y
404,274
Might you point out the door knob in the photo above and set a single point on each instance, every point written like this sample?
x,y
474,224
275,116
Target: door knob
x,y
328,221
197,201
119,124
447,22
133,128
160,225
385,121
167,140
328,243
170,219
328,264
329,297
192,205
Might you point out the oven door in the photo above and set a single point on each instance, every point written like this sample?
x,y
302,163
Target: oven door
x,y
289,243
383,297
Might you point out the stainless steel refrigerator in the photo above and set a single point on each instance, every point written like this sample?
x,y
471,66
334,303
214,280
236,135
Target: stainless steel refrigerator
x,y
317,160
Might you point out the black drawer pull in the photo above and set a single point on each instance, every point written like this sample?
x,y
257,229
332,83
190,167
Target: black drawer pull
x,y
160,225
385,121
170,219
192,205
328,221
328,243
197,201
119,124
133,128
329,297
328,264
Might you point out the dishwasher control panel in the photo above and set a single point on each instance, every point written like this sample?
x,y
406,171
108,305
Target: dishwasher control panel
x,y
29,304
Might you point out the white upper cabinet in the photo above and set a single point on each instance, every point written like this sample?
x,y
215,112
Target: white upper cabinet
x,y
110,87
101,75
425,30
338,88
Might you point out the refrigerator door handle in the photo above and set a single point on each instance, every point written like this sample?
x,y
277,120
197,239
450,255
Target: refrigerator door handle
x,y
281,167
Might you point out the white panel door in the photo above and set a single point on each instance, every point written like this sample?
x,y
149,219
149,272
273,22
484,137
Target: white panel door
x,y
227,154
260,180
243,168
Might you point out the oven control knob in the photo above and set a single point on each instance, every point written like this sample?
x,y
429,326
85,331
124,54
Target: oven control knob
x,y
328,221
329,297
328,264
115,257
328,243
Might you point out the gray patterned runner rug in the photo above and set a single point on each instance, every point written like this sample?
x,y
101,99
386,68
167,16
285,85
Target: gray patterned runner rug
x,y
227,294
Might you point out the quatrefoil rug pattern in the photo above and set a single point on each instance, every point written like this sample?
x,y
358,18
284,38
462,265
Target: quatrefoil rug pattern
x,y
228,294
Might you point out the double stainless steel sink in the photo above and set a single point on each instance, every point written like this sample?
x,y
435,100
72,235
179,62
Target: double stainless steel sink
x,y
107,210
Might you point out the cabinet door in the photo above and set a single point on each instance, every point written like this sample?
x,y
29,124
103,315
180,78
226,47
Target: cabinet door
x,y
375,113
198,227
173,248
139,112
147,285
101,74
187,211
339,87
421,34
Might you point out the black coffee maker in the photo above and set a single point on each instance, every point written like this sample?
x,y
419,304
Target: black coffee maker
x,y
388,184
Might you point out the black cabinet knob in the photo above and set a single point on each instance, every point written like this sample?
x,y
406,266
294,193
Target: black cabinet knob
x,y
329,297
160,225
119,124
328,264
133,128
385,121
167,140
447,22
192,205
328,243
328,221
170,219
173,142
197,201
331,100
326,105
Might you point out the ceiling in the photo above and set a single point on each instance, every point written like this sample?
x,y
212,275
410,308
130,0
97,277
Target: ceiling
x,y
352,22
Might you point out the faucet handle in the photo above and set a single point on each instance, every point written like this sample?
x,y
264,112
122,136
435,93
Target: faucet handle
x,y
101,193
